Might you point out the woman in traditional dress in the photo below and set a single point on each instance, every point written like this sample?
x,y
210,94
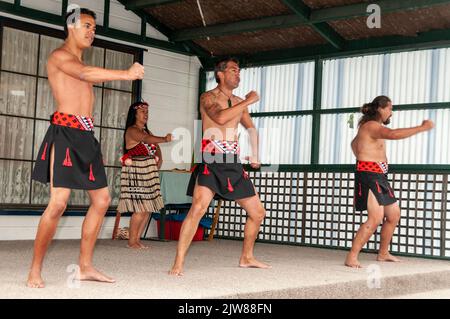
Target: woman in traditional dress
x,y
139,181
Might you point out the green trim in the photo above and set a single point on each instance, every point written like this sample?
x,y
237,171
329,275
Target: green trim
x,y
381,45
110,33
398,107
143,27
218,30
327,32
360,9
288,21
64,7
343,110
317,102
142,4
350,168
137,39
286,113
106,15
152,21
188,46
197,50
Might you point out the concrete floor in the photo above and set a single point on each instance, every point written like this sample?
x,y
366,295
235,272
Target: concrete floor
x,y
211,272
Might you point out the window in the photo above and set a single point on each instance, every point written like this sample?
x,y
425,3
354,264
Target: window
x,y
413,80
26,103
282,88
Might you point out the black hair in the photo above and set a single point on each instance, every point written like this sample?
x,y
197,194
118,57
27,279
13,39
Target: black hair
x,y
131,120
70,14
221,65
370,110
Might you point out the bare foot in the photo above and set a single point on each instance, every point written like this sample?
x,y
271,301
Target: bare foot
x,y
35,280
92,274
252,263
134,246
388,257
352,261
176,271
143,246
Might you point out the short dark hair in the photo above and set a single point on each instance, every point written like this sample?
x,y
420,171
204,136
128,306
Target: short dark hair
x,y
370,110
221,65
71,12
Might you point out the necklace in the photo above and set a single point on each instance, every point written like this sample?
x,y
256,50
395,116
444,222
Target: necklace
x,y
229,97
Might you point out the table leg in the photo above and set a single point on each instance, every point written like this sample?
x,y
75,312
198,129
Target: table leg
x,y
116,225
148,225
162,224
215,220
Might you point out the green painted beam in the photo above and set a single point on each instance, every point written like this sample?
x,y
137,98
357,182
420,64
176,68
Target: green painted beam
x,y
317,104
288,21
327,32
110,33
360,9
30,13
152,21
143,27
343,110
189,46
142,4
106,14
64,7
426,40
218,30
341,168
138,39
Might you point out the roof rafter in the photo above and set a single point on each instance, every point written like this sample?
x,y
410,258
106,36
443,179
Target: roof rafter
x,y
288,21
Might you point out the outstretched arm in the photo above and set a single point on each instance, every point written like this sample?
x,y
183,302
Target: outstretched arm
x,y
70,65
379,131
137,135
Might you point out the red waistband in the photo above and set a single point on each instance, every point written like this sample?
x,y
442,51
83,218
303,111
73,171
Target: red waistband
x,y
79,122
374,167
220,147
142,149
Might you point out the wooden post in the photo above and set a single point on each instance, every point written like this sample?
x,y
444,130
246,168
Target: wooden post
x,y
215,220
116,225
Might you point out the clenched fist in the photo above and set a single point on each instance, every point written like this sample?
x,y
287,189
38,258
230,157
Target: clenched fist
x,y
252,97
168,137
427,125
136,72
254,163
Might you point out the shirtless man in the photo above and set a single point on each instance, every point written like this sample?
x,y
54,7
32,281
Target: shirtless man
x,y
372,190
221,175
70,156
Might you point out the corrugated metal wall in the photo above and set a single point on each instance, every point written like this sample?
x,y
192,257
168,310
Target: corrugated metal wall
x,y
289,87
407,78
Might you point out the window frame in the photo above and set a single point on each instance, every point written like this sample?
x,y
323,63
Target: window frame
x,y
317,111
136,93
